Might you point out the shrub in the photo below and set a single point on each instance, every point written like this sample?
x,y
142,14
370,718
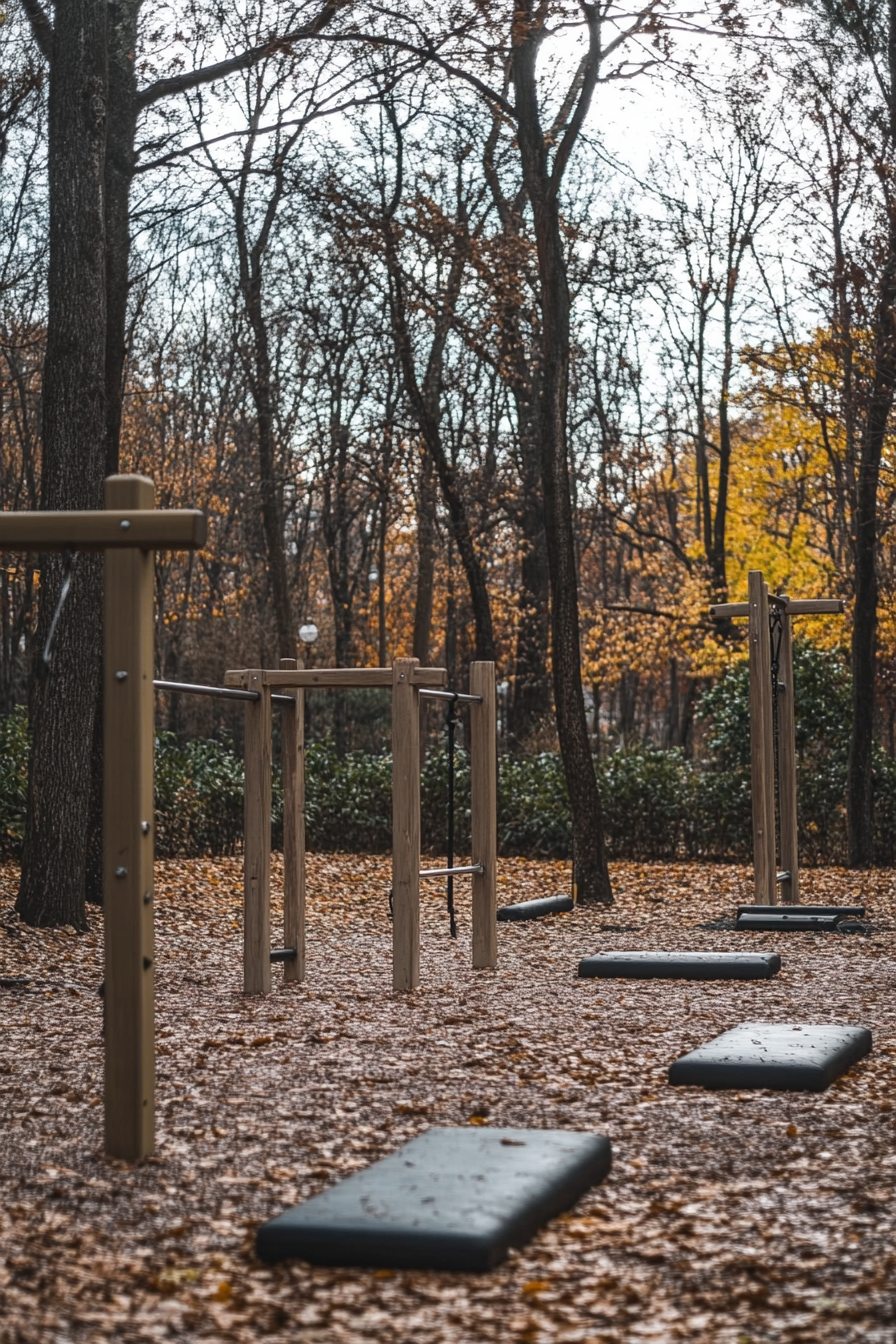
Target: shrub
x,y
13,782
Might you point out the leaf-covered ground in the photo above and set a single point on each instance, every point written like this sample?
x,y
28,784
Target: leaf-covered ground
x,y
730,1217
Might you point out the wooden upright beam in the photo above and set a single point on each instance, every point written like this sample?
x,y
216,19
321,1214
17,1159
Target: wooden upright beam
x,y
292,738
789,855
762,764
257,842
484,810
128,824
405,826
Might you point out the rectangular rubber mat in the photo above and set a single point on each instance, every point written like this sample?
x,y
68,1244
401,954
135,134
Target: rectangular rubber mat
x,y
449,1199
788,922
791,1056
681,965
546,905
845,911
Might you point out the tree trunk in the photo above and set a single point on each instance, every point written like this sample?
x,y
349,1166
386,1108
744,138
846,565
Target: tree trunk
x,y
592,874
426,558
531,701
63,706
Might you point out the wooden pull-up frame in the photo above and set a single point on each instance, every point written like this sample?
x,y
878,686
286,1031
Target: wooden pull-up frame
x,y
129,531
407,681
771,842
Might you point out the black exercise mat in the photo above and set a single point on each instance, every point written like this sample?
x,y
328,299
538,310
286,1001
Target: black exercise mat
x,y
681,965
853,911
547,905
791,1056
788,922
449,1199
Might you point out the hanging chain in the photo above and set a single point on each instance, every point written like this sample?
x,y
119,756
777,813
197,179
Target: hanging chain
x,y
776,635
68,562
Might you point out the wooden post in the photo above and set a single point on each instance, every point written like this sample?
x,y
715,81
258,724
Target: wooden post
x,y
128,822
484,809
762,762
405,826
292,738
790,889
257,841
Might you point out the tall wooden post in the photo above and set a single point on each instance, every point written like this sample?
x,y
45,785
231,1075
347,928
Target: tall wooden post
x,y
257,840
292,738
128,823
790,886
484,809
762,763
405,826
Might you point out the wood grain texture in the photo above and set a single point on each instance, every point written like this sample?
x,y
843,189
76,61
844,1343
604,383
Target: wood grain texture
x,y
128,839
257,842
405,826
761,747
787,800
484,810
292,737
97,530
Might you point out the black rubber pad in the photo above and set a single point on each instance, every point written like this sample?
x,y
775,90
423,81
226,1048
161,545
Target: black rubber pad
x,y
853,911
449,1199
786,921
548,905
791,1056
681,965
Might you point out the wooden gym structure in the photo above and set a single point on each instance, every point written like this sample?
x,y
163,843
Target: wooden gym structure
x,y
408,682
129,531
772,731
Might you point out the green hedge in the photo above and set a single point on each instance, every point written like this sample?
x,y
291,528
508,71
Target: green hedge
x,y
657,804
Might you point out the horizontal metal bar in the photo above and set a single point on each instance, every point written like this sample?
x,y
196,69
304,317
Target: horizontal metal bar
x,y
452,872
454,695
783,877
283,954
219,692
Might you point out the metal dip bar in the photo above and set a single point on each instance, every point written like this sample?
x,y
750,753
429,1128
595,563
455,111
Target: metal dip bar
x,y
452,872
220,692
454,695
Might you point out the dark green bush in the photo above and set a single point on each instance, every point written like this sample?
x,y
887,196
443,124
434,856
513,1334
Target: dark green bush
x,y
657,804
13,782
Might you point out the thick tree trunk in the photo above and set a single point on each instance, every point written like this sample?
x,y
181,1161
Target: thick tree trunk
x,y
426,559
592,874
531,701
271,505
63,707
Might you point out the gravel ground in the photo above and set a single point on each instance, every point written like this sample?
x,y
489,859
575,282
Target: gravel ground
x,y
738,1217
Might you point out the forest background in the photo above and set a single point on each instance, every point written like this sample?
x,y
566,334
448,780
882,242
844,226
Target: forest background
x,y
327,321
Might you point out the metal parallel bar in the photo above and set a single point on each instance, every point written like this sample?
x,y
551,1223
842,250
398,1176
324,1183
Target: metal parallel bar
x,y
452,872
220,692
453,695
283,954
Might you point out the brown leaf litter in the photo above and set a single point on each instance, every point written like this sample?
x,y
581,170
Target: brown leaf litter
x,y
731,1217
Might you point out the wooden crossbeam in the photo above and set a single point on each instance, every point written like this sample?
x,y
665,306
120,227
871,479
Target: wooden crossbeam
x,y
805,606
336,678
111,529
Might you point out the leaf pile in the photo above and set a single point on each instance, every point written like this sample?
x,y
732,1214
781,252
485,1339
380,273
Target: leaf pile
x,y
737,1217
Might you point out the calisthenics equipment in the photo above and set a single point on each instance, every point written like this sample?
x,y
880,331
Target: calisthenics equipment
x,y
772,731
408,682
129,531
